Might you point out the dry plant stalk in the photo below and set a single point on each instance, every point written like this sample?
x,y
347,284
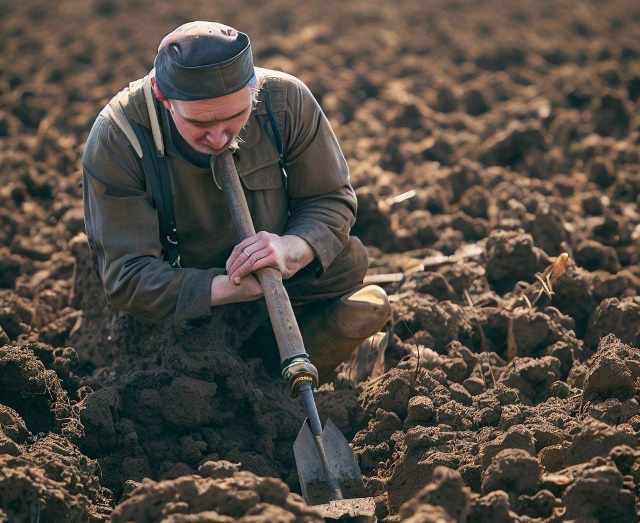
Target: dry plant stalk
x,y
532,293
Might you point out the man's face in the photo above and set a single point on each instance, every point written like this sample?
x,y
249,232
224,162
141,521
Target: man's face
x,y
211,126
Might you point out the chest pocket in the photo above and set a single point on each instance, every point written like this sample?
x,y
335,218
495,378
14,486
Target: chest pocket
x,y
262,178
266,197
258,160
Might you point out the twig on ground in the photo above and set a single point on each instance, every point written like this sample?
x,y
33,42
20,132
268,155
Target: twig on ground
x,y
543,285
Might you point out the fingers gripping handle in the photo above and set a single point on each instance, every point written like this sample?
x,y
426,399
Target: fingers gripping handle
x,y
284,323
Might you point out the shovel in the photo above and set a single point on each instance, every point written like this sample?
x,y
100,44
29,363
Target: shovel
x,y
327,466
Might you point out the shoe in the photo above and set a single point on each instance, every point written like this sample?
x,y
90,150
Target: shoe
x,y
332,332
366,361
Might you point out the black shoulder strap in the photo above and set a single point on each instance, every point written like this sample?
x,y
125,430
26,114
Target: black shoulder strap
x,y
156,171
273,132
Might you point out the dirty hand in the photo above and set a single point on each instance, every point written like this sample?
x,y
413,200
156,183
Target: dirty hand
x,y
224,292
286,253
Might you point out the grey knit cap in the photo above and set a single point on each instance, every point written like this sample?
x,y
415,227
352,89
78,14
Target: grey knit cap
x,y
201,60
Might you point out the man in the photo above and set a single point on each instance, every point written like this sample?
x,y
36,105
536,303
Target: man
x,y
203,97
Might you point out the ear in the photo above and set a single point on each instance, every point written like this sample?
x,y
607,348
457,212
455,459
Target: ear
x,y
158,93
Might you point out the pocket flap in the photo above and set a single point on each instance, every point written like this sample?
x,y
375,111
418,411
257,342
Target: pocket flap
x,y
269,177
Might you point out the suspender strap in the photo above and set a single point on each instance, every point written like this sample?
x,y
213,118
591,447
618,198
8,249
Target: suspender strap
x,y
273,131
151,102
156,172
118,116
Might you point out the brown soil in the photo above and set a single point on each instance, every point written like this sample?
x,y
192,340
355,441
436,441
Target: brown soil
x,y
485,139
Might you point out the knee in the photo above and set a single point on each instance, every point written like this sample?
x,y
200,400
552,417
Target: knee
x,y
363,312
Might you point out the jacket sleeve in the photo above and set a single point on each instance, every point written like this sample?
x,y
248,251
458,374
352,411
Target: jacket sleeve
x,y
122,227
323,203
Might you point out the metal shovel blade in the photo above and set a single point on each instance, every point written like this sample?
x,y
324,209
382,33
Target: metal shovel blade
x,y
342,461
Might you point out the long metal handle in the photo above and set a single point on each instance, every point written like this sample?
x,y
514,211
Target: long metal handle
x,y
285,326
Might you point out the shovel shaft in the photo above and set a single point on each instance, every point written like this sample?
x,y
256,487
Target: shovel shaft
x,y
293,356
316,429
285,326
311,410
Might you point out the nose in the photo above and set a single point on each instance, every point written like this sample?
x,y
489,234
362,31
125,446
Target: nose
x,y
218,138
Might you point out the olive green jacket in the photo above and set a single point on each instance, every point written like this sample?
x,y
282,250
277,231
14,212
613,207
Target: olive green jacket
x,y
315,201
